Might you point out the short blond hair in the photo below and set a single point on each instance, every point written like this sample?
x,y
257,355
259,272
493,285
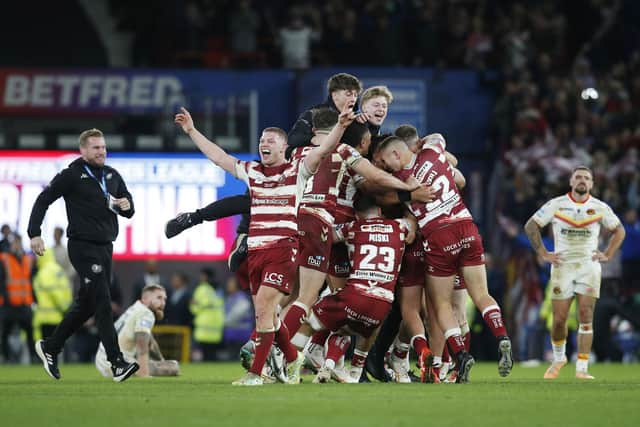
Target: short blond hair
x,y
84,136
374,92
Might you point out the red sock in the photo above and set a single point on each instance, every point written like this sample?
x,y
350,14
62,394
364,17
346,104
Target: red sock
x,y
419,343
295,317
337,346
493,318
283,340
263,345
253,335
358,359
320,337
446,357
454,339
467,341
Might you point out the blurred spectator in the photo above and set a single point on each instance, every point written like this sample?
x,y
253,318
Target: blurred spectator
x,y
631,253
16,296
62,256
239,317
5,242
151,276
295,43
243,29
207,307
53,293
177,308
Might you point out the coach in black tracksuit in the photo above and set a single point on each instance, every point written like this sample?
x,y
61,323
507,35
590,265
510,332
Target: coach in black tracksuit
x,y
94,194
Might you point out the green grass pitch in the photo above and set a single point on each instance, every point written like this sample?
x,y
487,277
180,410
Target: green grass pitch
x,y
203,396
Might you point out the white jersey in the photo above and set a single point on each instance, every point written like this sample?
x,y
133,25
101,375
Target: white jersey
x,y
576,225
137,318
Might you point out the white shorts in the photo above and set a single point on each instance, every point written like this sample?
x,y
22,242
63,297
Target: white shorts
x,y
575,278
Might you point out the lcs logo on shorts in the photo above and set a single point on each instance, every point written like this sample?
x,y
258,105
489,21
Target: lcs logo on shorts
x,y
273,278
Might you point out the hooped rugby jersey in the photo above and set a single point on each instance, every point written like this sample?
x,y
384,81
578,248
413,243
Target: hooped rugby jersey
x,y
430,166
275,195
321,191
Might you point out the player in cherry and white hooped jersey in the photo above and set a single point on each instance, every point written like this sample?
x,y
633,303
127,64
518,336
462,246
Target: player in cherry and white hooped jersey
x,y
376,245
275,186
576,219
452,242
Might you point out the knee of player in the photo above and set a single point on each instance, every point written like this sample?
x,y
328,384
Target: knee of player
x,y
585,314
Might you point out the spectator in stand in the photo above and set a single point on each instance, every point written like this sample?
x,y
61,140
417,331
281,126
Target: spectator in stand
x,y
631,253
207,307
151,276
177,309
295,43
5,242
238,317
16,295
243,29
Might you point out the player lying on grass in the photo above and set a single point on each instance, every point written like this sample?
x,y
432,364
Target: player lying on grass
x,y
135,338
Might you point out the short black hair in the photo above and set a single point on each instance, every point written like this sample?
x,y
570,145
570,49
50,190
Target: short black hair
x,y
343,81
375,142
364,202
324,118
388,141
354,133
406,132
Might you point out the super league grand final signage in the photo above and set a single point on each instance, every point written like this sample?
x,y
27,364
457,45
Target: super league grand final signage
x,y
161,184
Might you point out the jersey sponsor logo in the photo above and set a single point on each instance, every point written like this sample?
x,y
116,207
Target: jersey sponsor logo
x,y
342,268
464,243
376,228
315,260
273,278
572,232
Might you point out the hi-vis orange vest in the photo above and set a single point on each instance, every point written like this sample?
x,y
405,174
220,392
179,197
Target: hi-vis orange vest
x,y
18,280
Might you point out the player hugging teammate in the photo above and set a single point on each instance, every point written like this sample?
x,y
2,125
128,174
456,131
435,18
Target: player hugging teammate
x,y
316,222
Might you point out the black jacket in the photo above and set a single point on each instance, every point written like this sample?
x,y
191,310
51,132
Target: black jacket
x,y
87,213
302,131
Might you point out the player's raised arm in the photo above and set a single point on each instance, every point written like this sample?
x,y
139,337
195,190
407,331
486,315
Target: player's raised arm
x,y
210,149
315,156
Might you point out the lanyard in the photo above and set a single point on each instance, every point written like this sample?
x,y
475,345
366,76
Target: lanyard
x,y
102,183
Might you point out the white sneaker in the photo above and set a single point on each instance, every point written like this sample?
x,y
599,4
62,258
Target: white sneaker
x,y
250,379
323,376
293,370
275,361
343,376
400,369
314,357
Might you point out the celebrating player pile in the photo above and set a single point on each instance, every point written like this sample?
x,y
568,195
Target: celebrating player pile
x,y
316,219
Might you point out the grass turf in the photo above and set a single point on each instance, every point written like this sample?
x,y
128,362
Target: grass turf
x,y
202,395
